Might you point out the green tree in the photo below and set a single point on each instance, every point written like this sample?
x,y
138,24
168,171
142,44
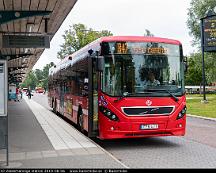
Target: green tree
x,y
196,11
45,73
77,36
38,77
194,73
30,81
210,64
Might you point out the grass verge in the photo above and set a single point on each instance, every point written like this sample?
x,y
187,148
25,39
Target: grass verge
x,y
195,107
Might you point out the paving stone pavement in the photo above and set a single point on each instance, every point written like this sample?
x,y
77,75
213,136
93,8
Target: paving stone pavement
x,y
40,139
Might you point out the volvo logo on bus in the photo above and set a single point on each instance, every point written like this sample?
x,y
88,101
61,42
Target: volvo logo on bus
x,y
148,102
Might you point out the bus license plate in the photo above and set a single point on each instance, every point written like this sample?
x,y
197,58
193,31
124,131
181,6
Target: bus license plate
x,y
148,126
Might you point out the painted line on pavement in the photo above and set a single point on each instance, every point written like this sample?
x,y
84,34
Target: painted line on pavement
x,y
31,102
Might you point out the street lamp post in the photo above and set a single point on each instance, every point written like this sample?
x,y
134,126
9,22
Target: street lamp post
x,y
203,63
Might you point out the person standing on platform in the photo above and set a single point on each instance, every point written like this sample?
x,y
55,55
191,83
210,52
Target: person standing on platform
x,y
17,94
29,94
20,91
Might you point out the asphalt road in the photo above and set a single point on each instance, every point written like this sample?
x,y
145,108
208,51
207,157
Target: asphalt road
x,y
197,149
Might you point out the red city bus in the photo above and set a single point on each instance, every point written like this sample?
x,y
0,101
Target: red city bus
x,y
105,89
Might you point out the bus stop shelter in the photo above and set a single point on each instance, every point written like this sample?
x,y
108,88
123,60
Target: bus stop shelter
x,y
26,29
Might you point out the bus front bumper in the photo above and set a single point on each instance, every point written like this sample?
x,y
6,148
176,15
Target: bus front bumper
x,y
133,130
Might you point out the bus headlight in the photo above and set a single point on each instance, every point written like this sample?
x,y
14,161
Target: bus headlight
x,y
109,114
182,113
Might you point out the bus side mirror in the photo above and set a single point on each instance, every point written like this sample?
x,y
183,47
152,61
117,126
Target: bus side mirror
x,y
100,63
185,63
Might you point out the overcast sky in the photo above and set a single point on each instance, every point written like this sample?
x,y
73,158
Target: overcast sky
x,y
164,18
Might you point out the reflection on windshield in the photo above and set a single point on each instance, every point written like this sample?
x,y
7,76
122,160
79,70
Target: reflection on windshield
x,y
137,73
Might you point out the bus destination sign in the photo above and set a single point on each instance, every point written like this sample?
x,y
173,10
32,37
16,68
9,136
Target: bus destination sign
x,y
209,28
124,48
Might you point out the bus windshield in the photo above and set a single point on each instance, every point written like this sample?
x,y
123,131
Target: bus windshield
x,y
143,69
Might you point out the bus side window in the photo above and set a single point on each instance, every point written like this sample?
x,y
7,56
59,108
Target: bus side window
x,y
67,89
73,86
82,84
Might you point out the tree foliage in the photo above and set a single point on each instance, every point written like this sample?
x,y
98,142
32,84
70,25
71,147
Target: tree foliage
x,y
194,73
77,36
37,78
45,73
30,81
196,11
210,64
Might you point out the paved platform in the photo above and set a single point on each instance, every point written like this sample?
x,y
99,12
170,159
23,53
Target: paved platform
x,y
40,139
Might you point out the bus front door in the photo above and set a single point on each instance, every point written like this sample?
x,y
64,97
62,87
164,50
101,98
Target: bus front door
x,y
93,98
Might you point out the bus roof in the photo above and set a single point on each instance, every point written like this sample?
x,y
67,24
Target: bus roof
x,y
67,61
139,39
122,38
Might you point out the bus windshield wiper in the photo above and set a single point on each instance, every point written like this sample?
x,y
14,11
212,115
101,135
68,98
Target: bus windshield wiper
x,y
171,94
125,94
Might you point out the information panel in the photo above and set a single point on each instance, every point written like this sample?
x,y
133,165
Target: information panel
x,y
209,29
3,106
3,88
21,41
